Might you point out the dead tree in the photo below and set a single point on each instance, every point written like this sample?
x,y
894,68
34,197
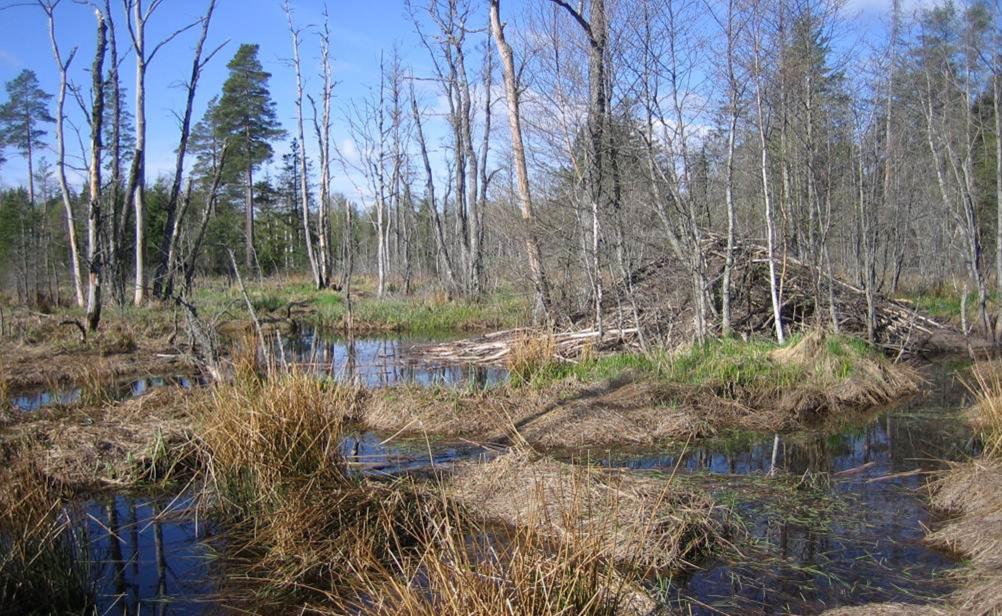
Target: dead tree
x,y
136,20
595,29
318,280
440,242
541,309
94,215
49,7
163,278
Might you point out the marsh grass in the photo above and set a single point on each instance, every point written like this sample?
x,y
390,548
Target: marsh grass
x,y
44,568
426,311
429,314
987,390
303,529
529,357
461,566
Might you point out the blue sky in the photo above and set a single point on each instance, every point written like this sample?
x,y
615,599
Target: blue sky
x,y
360,31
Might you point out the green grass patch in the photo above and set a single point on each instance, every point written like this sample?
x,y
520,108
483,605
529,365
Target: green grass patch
x,y
416,314
722,364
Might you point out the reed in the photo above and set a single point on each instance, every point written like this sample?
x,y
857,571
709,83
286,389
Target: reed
x,y
43,568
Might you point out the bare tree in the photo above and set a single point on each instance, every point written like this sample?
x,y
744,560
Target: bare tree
x,y
759,77
163,278
318,280
94,215
595,28
541,309
137,18
49,7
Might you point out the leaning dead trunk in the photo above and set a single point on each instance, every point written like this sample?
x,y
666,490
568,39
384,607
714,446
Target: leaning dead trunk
x,y
163,275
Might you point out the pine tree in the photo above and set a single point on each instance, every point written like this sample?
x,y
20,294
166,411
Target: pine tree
x,y
246,117
20,117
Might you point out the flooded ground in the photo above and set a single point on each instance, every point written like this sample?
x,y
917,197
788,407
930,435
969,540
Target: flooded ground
x,y
840,522
843,520
369,361
147,555
372,454
28,401
380,361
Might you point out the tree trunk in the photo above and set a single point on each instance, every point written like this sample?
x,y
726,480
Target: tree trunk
x,y
767,198
71,231
94,217
249,217
162,277
318,279
540,285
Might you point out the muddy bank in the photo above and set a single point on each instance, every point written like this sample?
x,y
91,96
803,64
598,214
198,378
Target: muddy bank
x,y
59,356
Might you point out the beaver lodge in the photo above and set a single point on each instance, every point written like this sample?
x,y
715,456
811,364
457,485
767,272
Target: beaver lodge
x,y
655,307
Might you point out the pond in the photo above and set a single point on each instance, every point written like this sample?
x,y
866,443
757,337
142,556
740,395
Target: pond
x,y
369,361
380,361
147,555
843,520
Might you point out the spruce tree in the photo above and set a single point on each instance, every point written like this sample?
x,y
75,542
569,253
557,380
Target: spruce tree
x,y
20,119
245,116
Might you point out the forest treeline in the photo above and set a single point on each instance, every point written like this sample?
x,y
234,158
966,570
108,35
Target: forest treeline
x,y
571,144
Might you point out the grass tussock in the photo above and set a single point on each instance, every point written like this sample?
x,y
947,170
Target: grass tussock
x,y
972,492
530,355
254,436
987,415
307,530
642,522
461,567
42,569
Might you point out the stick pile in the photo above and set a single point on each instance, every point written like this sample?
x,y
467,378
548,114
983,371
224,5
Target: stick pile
x,y
655,306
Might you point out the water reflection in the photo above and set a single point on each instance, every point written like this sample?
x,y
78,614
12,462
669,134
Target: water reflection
x,y
379,361
34,400
371,454
851,533
147,556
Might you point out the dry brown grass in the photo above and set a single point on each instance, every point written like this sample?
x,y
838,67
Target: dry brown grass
x,y
887,609
987,412
40,565
530,354
120,445
972,491
459,567
651,523
567,414
251,436
303,530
